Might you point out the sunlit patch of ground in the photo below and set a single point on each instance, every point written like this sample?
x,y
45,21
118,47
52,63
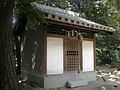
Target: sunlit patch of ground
x,y
109,74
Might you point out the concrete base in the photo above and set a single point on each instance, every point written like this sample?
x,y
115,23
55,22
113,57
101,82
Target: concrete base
x,y
60,80
56,81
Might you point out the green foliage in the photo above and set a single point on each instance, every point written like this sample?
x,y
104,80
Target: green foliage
x,y
33,15
106,48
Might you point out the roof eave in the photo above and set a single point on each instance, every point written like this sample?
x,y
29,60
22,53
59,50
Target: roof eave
x,y
79,25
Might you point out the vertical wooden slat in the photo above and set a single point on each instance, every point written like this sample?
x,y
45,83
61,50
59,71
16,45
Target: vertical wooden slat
x,y
64,55
81,55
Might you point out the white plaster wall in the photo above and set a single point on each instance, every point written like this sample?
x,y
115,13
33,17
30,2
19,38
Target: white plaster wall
x,y
54,55
88,56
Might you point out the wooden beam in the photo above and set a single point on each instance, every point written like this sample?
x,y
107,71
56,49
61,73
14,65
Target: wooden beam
x,y
80,25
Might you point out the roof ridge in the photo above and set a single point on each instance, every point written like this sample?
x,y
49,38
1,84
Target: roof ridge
x,y
55,9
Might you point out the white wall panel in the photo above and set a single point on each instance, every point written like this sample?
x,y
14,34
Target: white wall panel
x,y
54,55
88,56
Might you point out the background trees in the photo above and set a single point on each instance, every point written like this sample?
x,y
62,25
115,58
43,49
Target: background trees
x,y
26,17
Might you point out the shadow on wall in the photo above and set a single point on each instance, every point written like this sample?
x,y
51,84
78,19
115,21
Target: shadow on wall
x,y
32,51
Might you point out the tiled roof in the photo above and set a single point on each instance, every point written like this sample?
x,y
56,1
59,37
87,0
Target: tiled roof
x,y
72,17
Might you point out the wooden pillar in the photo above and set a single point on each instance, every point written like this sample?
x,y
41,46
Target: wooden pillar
x,y
94,51
45,51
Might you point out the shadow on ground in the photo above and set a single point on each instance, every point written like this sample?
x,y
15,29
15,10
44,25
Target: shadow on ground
x,y
107,79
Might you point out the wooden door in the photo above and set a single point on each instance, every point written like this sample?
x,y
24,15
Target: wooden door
x,y
72,55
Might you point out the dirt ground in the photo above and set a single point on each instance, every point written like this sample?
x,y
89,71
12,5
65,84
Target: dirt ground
x,y
107,79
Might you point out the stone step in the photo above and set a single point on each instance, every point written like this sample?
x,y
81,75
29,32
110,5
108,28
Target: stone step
x,y
71,84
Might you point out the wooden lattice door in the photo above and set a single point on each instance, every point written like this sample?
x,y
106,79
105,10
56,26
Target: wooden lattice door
x,y
72,55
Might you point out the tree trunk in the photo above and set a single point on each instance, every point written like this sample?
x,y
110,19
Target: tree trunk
x,y
8,78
